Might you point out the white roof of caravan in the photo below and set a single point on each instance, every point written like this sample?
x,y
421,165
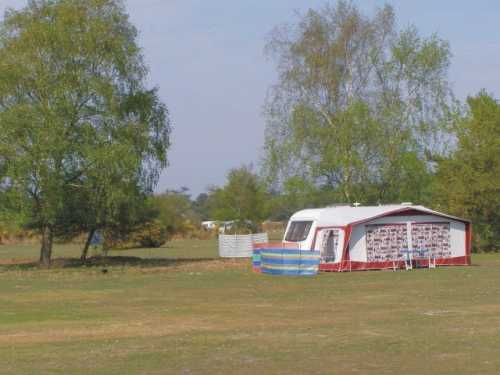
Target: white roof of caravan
x,y
345,215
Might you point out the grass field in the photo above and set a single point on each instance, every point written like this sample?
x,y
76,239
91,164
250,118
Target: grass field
x,y
189,313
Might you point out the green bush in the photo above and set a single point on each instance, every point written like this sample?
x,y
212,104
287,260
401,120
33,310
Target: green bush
x,y
151,234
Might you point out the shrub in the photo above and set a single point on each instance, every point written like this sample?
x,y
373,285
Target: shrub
x,y
151,234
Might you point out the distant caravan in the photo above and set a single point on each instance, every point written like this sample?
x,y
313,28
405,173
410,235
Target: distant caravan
x,y
380,237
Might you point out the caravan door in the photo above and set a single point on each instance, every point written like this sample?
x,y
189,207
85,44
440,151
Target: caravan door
x,y
329,240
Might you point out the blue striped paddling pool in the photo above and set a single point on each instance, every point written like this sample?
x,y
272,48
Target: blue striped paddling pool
x,y
287,262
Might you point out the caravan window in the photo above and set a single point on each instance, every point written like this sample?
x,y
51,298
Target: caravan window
x,y
298,231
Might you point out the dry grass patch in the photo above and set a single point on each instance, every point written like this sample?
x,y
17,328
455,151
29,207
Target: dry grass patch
x,y
196,314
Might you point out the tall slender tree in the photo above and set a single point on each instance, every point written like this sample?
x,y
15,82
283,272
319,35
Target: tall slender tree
x,y
358,103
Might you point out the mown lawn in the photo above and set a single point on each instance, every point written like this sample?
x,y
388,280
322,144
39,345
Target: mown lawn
x,y
188,313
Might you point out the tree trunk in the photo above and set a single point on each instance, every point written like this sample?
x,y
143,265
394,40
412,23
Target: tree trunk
x,y
85,250
46,249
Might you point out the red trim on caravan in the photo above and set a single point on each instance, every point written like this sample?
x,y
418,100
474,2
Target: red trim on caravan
x,y
347,265
321,228
366,266
408,211
468,242
345,249
401,211
346,258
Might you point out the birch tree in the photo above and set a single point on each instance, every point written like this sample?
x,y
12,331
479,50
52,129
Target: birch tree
x,y
358,103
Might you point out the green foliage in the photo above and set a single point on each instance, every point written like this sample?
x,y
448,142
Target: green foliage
x,y
297,194
358,105
202,206
242,199
150,234
468,182
80,134
159,218
176,213
243,227
131,219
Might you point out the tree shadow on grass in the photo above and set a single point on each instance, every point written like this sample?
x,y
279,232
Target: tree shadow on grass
x,y
111,261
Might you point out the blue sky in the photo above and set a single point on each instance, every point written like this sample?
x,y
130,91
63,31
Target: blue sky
x,y
207,58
